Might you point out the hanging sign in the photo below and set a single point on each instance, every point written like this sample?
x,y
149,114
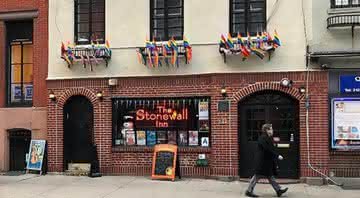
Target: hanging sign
x,y
349,84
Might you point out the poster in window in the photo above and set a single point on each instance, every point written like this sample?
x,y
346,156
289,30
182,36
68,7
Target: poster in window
x,y
150,138
172,137
141,138
16,92
36,155
203,110
161,137
205,142
130,137
28,92
204,125
193,138
183,138
346,123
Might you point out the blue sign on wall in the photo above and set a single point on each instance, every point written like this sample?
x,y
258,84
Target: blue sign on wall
x,y
350,84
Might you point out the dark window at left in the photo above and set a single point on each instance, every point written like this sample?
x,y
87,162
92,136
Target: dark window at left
x,y
19,63
89,21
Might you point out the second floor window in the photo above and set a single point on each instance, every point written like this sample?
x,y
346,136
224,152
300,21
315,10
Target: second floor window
x,y
345,3
167,19
247,16
89,21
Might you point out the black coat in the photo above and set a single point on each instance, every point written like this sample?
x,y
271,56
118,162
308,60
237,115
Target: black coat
x,y
266,156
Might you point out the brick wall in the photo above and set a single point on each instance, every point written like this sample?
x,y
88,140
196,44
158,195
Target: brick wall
x,y
224,153
40,47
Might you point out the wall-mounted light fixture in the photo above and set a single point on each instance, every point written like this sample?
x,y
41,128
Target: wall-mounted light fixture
x,y
223,91
52,96
99,95
302,90
285,82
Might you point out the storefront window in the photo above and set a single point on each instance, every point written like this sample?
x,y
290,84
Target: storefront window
x,y
146,122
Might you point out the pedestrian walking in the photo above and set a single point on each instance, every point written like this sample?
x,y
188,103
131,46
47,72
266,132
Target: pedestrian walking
x,y
266,162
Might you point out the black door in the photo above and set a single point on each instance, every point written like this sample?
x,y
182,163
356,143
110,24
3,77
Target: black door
x,y
282,111
78,130
19,146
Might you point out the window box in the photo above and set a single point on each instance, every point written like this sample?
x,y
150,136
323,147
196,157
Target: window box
x,y
261,45
87,55
157,54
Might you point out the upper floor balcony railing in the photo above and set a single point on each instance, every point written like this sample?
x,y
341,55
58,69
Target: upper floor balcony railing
x,y
345,3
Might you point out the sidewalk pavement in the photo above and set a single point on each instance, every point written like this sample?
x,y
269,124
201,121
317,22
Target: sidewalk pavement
x,y
60,186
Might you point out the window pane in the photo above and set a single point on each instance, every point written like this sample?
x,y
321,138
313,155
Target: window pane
x,y
159,34
159,3
175,32
98,6
16,54
256,7
174,12
28,92
16,74
16,93
239,18
174,3
83,37
239,28
99,36
158,23
98,17
175,22
159,13
256,17
239,7
255,27
98,27
83,8
28,54
82,18
28,73
83,27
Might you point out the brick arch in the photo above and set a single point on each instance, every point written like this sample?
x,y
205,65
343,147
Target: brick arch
x,y
262,86
77,91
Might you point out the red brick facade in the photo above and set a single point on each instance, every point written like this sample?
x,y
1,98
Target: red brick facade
x,y
40,41
224,152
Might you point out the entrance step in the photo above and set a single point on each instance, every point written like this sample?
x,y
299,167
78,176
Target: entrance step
x,y
78,169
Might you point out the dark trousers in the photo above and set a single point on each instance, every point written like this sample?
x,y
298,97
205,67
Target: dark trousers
x,y
256,178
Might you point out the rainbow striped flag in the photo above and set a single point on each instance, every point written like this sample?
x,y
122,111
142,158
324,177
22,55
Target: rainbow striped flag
x,y
276,40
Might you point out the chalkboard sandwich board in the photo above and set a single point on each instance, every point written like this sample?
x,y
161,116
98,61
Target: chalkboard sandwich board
x,y
164,162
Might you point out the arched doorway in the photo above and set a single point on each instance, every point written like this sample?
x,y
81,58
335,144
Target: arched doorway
x,y
78,130
19,141
282,111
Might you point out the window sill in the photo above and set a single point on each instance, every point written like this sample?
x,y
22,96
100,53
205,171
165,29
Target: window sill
x,y
335,11
147,149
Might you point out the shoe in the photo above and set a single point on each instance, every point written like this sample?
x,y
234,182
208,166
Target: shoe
x,y
250,194
281,191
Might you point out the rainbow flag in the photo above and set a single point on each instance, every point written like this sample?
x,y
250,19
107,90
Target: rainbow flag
x,y
230,41
223,40
277,41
